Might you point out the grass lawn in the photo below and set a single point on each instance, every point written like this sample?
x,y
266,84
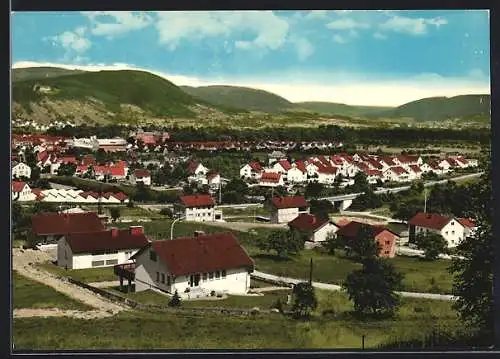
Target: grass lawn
x,y
88,275
127,212
332,326
334,269
382,211
250,211
28,293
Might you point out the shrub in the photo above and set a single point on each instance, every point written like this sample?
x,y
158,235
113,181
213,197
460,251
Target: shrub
x,y
212,293
175,301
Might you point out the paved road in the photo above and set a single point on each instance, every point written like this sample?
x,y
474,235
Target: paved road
x,y
334,287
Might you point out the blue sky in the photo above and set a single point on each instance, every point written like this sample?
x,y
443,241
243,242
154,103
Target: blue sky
x,y
357,57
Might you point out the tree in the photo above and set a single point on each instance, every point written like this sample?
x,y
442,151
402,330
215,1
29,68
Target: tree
x,y
360,182
304,300
372,288
115,213
313,190
321,209
175,301
66,169
142,194
473,282
279,241
35,174
331,243
363,246
237,185
40,207
433,244
297,240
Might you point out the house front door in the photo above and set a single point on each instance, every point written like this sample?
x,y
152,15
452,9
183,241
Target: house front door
x,y
194,280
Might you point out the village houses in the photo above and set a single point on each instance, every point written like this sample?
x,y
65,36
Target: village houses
x,y
198,207
140,175
20,170
286,209
21,192
317,229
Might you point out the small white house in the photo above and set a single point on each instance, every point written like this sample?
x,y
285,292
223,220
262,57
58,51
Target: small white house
x,y
100,249
198,208
451,229
194,267
297,174
316,229
271,179
21,170
251,170
286,209
22,192
197,169
140,175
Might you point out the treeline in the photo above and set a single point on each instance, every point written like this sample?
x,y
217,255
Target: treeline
x,y
321,133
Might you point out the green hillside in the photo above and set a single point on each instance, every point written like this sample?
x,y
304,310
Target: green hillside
x,y
33,73
330,108
442,108
149,92
240,97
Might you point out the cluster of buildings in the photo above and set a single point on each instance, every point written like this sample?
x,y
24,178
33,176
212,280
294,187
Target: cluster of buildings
x,y
328,169
22,192
266,145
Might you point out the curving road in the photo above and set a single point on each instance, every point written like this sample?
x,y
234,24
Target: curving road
x,y
334,287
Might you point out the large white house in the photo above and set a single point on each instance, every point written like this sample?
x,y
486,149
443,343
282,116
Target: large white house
x,y
450,228
100,249
22,192
199,208
251,170
20,170
317,229
141,175
271,179
194,267
298,173
286,209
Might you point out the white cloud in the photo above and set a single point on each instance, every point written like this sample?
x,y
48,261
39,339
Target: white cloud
x,y
317,14
379,36
346,24
339,39
121,22
303,46
305,87
72,41
411,26
269,30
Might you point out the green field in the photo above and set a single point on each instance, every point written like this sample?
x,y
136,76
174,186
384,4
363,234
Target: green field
x,y
332,326
88,275
27,293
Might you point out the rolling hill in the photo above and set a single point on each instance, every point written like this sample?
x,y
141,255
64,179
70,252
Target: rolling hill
x,y
240,97
441,108
33,73
331,108
107,95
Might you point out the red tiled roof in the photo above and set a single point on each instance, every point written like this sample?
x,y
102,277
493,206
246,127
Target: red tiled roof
x,y
289,202
197,200
467,222
211,176
388,160
373,172
255,166
362,166
17,186
205,253
67,159
193,165
327,169
337,160
462,160
141,173
407,158
88,160
270,177
351,229
116,171
82,168
452,162
301,166
285,164
120,196
103,240
398,170
429,220
38,193
415,168
307,222
342,222
59,224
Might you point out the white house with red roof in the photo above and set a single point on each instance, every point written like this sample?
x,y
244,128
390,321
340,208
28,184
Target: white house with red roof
x,y
100,249
470,226
194,266
140,175
395,174
446,165
21,192
198,208
213,179
197,169
373,176
271,179
251,170
317,230
20,170
414,172
298,173
286,209
450,228
326,174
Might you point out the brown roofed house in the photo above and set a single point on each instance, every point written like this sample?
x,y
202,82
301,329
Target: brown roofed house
x,y
286,209
317,229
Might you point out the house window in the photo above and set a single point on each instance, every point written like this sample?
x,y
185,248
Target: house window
x,y
169,280
97,263
452,223
387,243
205,275
112,261
223,273
211,275
446,232
152,255
163,278
386,252
452,232
157,276
217,275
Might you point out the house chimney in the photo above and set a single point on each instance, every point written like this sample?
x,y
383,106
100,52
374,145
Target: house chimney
x,y
136,230
114,232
